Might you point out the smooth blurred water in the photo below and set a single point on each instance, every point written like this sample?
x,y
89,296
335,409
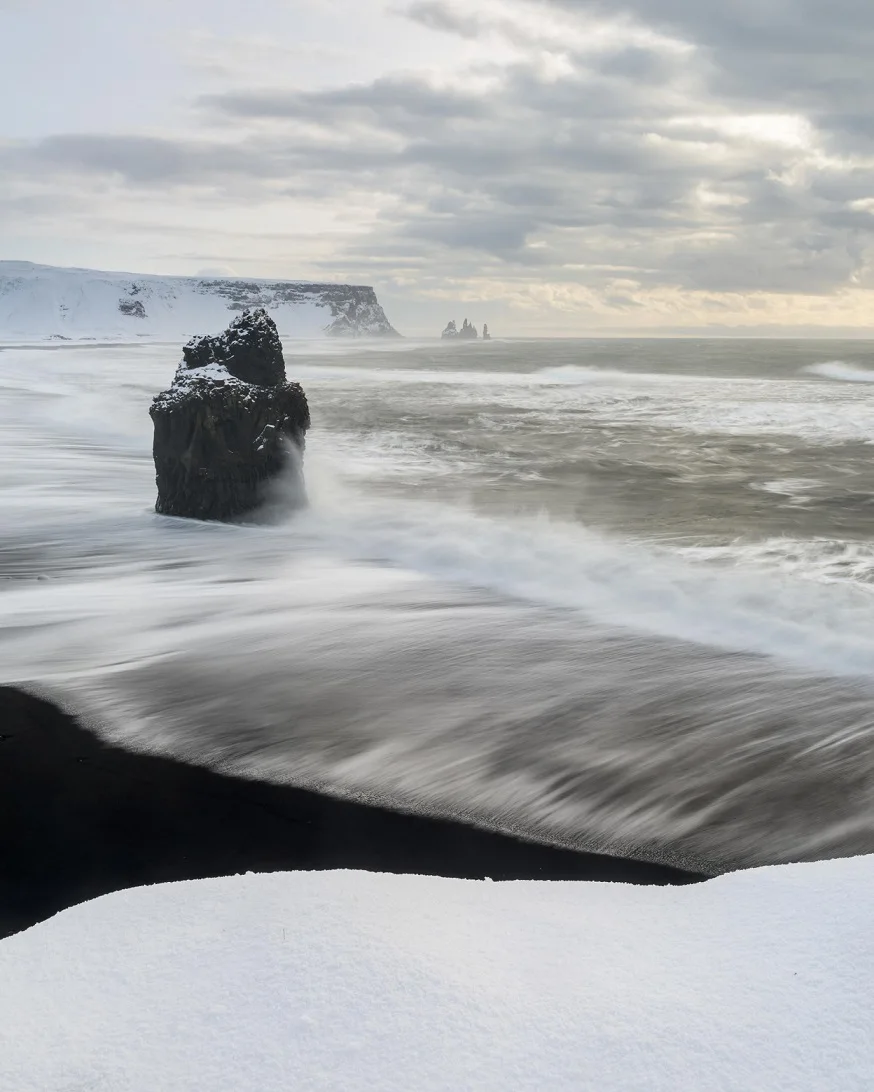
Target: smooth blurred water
x,y
611,593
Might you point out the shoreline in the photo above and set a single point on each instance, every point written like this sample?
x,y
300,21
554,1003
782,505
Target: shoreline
x,y
82,818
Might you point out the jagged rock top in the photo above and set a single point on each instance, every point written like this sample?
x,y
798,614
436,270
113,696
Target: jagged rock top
x,y
468,330
247,355
249,350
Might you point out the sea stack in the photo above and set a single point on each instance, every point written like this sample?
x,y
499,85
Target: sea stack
x,y
468,330
228,424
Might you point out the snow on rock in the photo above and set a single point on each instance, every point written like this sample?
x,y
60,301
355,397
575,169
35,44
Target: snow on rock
x,y
758,980
228,423
42,301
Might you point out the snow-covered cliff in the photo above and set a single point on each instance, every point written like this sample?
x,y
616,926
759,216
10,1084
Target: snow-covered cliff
x,y
43,301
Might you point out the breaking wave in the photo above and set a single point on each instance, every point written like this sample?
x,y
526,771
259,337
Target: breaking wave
x,y
840,369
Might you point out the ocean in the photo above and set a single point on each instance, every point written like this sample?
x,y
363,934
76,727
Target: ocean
x,y
616,595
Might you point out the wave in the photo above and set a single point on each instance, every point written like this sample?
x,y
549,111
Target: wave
x,y
822,560
579,375
533,677
806,603
538,676
841,369
694,404
565,375
361,676
773,604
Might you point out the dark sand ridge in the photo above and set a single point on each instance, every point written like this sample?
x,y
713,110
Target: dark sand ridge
x,y
80,818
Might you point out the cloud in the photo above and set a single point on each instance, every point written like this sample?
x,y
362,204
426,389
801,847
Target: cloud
x,y
388,102
608,158
795,54
437,15
142,160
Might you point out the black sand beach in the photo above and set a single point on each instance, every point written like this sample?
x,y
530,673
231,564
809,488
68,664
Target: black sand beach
x,y
80,818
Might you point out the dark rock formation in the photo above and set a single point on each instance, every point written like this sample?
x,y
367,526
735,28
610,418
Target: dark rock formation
x,y
468,330
486,335
133,308
249,349
228,424
354,309
359,316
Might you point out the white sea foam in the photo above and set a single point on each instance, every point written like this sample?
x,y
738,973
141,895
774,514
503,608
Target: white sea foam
x,y
796,488
841,369
698,405
771,601
764,602
567,375
822,560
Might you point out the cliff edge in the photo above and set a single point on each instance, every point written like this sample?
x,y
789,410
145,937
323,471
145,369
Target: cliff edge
x,y
46,302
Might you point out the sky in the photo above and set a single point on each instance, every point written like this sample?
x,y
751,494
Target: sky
x,y
565,167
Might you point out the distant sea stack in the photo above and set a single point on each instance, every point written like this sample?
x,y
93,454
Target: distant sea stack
x,y
468,330
48,302
224,426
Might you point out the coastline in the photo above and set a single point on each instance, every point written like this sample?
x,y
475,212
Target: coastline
x,y
82,818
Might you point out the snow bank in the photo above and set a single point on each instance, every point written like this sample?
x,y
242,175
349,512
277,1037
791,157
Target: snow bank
x,y
346,980
42,301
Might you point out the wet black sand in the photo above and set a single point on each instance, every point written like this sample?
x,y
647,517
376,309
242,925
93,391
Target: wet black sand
x,y
80,818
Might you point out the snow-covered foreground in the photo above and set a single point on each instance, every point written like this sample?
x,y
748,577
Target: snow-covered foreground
x,y
759,980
